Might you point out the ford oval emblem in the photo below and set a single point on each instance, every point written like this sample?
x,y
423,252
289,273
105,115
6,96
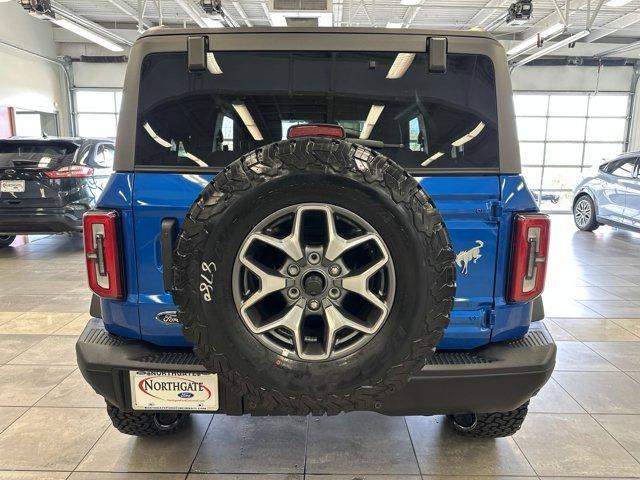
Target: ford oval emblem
x,y
185,394
169,317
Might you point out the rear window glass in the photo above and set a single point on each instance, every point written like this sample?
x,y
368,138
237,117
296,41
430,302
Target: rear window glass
x,y
40,154
248,99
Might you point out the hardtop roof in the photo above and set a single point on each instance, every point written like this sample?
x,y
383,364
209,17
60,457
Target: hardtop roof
x,y
162,31
158,40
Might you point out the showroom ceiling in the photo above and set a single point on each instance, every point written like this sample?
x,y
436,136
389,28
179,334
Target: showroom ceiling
x,y
611,20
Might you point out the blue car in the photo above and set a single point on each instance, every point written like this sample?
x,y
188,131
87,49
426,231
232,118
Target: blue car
x,y
305,221
610,195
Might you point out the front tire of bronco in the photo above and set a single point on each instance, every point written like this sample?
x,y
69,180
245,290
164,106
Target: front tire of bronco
x,y
489,425
147,424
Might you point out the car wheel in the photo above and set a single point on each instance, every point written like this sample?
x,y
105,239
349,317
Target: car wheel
x,y
584,214
489,425
146,424
314,276
6,240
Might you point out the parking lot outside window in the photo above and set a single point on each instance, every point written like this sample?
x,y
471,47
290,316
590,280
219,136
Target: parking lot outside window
x,y
563,135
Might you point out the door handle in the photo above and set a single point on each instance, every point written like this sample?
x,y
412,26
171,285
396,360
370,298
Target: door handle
x,y
169,232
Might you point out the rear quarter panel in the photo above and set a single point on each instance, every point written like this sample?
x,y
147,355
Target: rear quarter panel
x,y
122,316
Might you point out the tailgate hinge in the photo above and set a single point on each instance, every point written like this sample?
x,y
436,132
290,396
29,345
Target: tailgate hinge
x,y
495,210
490,318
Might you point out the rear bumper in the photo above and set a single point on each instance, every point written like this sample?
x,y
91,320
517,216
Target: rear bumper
x,y
495,378
41,220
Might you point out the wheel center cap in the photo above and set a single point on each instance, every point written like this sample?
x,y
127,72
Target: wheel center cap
x,y
314,283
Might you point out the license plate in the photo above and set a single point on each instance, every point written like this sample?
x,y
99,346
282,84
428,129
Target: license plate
x,y
152,390
12,186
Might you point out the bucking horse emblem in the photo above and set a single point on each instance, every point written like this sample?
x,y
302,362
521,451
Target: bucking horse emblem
x,y
466,256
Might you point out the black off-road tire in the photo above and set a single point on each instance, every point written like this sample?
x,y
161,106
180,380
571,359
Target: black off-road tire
x,y
312,170
6,240
490,425
146,424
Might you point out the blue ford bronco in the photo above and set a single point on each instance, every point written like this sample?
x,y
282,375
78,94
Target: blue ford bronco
x,y
316,221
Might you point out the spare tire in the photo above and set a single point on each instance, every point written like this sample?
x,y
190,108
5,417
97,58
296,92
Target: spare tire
x,y
314,276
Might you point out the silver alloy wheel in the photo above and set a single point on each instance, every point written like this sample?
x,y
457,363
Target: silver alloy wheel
x,y
313,281
582,212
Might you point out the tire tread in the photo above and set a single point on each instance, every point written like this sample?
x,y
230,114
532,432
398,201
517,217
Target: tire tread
x,y
140,424
497,424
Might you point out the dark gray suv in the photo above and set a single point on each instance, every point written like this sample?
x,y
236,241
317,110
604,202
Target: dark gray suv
x,y
46,185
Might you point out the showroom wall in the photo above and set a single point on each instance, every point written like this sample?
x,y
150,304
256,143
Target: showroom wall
x,y
30,83
107,74
572,79
552,164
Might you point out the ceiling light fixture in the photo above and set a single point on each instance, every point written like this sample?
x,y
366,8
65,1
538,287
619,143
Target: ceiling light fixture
x,y
247,119
400,65
469,136
552,48
372,118
212,64
88,34
156,138
432,158
617,3
212,22
394,25
532,41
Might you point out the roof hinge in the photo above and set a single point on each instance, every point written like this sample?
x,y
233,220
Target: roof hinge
x,y
437,50
197,48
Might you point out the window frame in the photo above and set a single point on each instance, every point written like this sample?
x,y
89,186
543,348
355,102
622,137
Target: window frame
x,y
98,150
614,164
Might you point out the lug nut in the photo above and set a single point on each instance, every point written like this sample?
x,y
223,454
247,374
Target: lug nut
x,y
334,270
293,270
313,304
293,292
313,258
334,293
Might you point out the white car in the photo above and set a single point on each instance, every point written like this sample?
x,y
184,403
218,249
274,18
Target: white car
x,y
610,195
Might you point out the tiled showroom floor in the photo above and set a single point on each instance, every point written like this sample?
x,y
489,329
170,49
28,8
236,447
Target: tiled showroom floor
x,y
585,423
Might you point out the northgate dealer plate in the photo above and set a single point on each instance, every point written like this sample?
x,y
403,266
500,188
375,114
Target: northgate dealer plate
x,y
174,391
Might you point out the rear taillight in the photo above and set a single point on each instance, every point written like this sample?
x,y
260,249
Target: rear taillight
x,y
316,130
73,171
529,259
102,251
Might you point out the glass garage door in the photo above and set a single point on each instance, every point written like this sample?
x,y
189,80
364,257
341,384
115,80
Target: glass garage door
x,y
97,112
564,134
